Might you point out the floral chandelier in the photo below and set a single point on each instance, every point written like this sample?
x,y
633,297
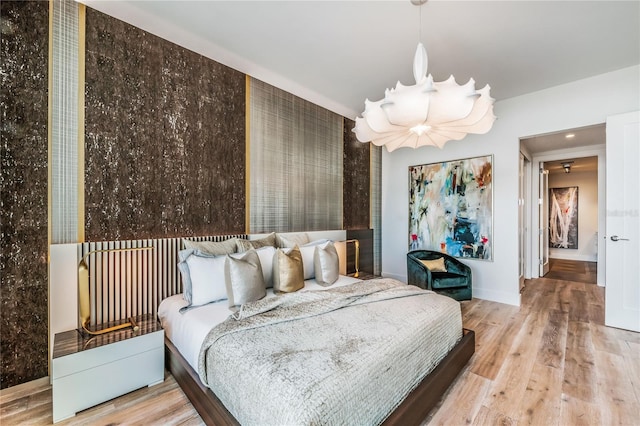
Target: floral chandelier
x,y
427,113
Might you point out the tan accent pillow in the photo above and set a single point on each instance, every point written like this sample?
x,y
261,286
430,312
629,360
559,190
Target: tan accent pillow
x,y
217,248
288,272
435,265
246,245
292,240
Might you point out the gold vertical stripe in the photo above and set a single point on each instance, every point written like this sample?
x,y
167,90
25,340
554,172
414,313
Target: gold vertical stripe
x,y
49,174
344,140
247,132
81,64
371,203
49,124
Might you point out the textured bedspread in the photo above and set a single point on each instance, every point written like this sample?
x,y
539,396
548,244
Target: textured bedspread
x,y
348,355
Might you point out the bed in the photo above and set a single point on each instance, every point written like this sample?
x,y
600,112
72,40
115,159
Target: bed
x,y
184,332
346,386
155,277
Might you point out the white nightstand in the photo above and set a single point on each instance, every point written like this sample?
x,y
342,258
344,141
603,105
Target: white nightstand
x,y
88,371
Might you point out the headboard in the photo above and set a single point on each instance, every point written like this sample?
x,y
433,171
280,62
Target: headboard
x,y
123,283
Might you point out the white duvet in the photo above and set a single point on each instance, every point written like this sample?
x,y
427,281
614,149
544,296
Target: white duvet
x,y
188,330
344,356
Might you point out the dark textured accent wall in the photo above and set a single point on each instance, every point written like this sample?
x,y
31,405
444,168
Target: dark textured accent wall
x,y
165,137
365,237
357,175
165,156
23,191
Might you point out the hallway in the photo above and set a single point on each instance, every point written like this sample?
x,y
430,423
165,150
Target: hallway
x,y
572,270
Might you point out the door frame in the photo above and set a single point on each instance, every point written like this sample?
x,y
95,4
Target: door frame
x,y
562,154
524,198
543,225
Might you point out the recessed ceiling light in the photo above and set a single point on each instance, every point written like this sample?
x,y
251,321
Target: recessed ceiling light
x,y
570,135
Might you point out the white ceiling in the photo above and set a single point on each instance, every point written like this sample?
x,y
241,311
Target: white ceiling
x,y
337,53
577,165
582,137
566,140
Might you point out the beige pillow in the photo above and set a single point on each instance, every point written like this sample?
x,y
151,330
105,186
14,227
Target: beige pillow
x,y
217,248
435,265
246,245
244,279
291,240
288,272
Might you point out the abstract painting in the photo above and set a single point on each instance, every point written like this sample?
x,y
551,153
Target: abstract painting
x,y
451,207
563,217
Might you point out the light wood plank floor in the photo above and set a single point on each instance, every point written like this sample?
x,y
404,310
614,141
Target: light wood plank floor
x,y
572,270
549,362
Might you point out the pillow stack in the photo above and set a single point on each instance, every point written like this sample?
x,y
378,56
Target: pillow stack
x,y
240,271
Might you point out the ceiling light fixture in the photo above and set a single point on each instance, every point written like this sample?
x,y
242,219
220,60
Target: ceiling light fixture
x,y
570,135
427,113
567,166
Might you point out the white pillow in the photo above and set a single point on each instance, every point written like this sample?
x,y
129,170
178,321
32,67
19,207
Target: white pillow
x,y
184,272
308,251
266,262
207,279
183,255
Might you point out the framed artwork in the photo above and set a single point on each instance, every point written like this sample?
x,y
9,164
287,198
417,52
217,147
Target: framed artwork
x,y
563,217
451,207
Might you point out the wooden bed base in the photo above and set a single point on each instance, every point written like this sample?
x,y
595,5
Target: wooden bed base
x,y
412,411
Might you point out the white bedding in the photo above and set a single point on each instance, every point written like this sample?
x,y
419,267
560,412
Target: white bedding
x,y
188,330
347,356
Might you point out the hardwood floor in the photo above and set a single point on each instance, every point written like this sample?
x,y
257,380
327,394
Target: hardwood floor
x,y
549,362
162,404
572,270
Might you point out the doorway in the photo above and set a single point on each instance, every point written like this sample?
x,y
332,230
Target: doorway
x,y
523,216
573,211
549,153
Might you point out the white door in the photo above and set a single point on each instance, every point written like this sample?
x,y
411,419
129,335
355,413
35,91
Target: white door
x,y
543,218
622,292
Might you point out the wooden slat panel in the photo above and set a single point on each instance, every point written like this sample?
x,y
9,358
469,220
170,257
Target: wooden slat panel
x,y
131,283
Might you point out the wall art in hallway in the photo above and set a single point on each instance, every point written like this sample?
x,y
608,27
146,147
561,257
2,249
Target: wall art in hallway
x,y
563,217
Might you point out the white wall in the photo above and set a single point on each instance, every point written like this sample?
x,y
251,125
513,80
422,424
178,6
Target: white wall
x,y
577,104
587,183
